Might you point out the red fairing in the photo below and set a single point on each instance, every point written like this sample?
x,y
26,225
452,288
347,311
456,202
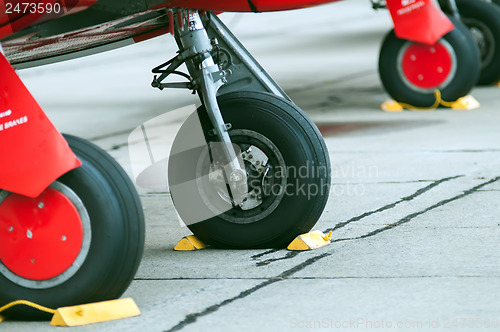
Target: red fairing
x,y
420,21
33,154
16,15
244,5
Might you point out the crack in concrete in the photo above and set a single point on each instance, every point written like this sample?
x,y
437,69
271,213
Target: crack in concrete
x,y
385,152
192,318
393,205
267,252
385,182
357,218
322,278
288,255
412,216
468,151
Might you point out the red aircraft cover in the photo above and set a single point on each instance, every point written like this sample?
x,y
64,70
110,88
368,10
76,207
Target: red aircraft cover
x,y
33,153
242,5
16,15
419,20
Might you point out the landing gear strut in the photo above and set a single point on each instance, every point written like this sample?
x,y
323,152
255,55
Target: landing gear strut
x,y
243,188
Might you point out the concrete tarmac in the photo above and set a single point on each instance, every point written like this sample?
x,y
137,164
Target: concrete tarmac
x,y
413,206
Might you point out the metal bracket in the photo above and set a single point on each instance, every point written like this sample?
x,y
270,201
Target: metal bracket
x,y
193,40
217,63
172,65
238,69
449,7
227,126
246,73
379,4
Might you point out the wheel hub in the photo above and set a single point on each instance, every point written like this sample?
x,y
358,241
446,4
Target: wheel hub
x,y
256,166
43,238
425,67
264,167
484,38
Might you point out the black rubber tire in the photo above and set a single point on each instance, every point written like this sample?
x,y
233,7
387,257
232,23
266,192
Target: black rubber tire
x,y
300,144
465,78
484,17
117,226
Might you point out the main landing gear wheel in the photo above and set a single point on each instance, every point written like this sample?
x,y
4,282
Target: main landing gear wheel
x,y
287,167
80,241
411,72
483,20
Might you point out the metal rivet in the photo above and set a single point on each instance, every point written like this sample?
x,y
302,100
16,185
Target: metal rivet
x,y
29,234
41,205
33,261
11,228
64,238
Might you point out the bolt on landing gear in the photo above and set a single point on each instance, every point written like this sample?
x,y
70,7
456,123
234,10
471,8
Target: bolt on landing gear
x,y
262,174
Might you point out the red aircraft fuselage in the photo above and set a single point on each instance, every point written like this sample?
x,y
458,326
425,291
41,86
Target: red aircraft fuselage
x,y
38,32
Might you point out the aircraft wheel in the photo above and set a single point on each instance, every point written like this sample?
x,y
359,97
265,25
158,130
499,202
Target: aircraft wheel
x,y
80,241
483,20
410,72
287,167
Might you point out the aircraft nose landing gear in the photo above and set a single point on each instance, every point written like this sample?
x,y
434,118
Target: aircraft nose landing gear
x,y
255,140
